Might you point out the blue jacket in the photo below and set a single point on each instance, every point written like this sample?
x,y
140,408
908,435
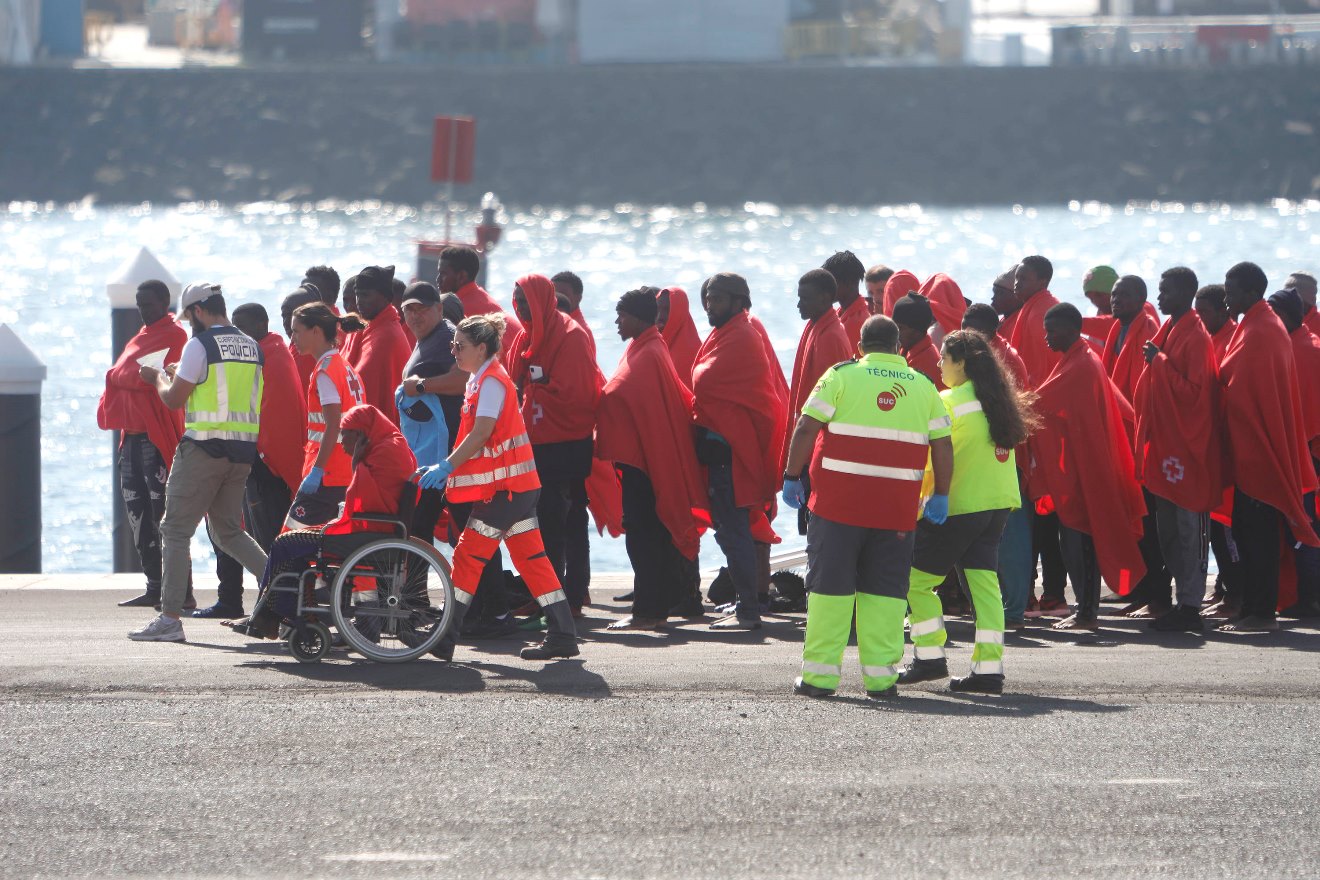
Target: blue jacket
x,y
428,440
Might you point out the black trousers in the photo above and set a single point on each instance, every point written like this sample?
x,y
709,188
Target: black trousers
x,y
659,570
142,476
1078,552
1225,549
1045,541
266,502
577,543
1258,528
563,469
1156,587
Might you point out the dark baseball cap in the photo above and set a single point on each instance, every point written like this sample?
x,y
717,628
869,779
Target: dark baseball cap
x,y
422,292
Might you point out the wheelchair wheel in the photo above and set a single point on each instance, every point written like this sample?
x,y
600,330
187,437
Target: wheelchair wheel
x,y
309,641
392,599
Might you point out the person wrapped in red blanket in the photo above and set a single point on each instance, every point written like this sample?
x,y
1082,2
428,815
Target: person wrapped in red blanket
x,y
674,321
380,352
382,466
1267,446
739,424
643,428
914,316
1081,467
1024,317
947,302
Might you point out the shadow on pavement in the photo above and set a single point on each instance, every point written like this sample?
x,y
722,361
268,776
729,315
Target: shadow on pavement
x,y
918,702
569,678
419,675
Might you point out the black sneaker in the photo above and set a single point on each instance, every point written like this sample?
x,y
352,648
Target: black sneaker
x,y
222,612
802,689
146,600
977,684
1181,619
492,628
550,650
924,670
888,693
624,597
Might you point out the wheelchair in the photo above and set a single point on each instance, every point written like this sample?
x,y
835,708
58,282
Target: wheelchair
x,y
390,599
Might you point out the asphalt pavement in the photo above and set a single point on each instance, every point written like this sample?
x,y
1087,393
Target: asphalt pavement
x,y
1128,754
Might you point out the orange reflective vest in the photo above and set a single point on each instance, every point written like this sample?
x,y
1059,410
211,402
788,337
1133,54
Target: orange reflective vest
x,y
505,462
339,469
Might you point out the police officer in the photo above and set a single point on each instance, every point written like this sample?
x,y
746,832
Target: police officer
x,y
877,421
217,382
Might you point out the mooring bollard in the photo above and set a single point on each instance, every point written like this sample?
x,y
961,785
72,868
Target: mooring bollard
x,y
124,322
21,375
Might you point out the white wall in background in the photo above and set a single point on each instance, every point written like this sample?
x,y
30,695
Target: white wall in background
x,y
651,31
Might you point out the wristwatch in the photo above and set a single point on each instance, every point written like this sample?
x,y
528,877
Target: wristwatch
x,y
420,386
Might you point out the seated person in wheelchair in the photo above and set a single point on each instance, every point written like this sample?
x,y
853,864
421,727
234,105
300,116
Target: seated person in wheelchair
x,y
382,464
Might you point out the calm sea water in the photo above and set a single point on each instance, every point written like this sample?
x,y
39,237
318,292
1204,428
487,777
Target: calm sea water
x,y
58,259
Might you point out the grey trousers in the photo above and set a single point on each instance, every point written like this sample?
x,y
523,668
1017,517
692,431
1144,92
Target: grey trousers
x,y
202,486
1184,541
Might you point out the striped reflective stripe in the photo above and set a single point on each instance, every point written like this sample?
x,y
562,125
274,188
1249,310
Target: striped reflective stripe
x,y
824,409
500,448
990,636
870,470
926,627
814,668
521,526
551,598
481,528
923,652
316,418
879,671
199,434
963,409
462,597
941,422
251,418
500,473
315,436
872,433
988,667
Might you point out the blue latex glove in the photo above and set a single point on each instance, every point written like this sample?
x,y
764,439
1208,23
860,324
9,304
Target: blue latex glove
x,y
937,509
795,495
434,477
312,482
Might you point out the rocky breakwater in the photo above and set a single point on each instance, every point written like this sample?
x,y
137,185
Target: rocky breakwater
x,y
720,135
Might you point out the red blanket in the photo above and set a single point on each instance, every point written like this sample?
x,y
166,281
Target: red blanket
x,y
1306,355
1179,453
304,363
1263,417
1125,365
1010,359
378,356
1081,459
946,301
643,422
681,335
562,406
378,475
1222,338
736,396
1096,328
899,285
283,413
132,406
823,344
581,320
1311,320
1025,331
772,358
924,357
852,319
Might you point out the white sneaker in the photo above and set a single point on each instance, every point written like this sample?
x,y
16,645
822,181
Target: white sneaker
x,y
160,629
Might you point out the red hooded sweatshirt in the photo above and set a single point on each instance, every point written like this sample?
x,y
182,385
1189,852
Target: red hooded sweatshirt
x,y
378,356
283,413
924,357
1306,355
1126,364
379,474
899,285
1179,449
1263,419
852,319
1025,331
562,405
946,301
1082,461
643,422
736,396
680,334
132,406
